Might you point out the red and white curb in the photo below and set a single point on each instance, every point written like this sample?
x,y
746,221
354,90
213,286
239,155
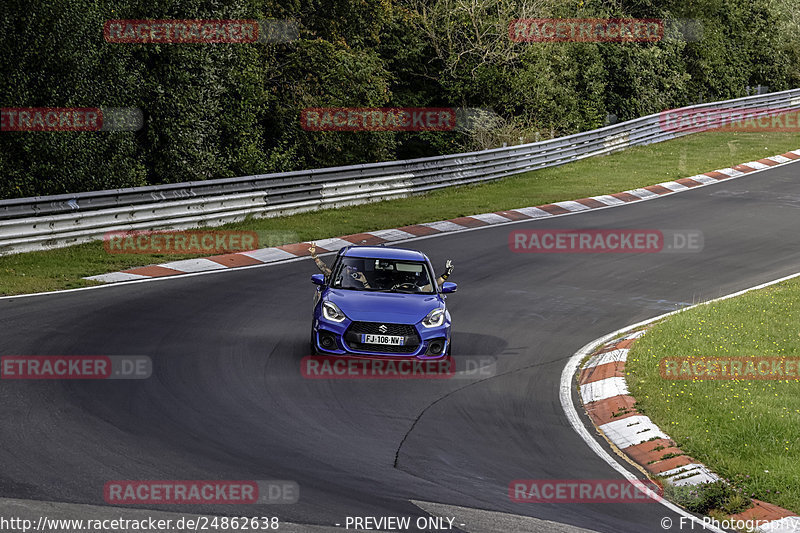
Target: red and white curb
x,y
604,393
293,251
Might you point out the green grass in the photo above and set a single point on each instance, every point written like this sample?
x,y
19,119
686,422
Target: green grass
x,y
747,431
635,167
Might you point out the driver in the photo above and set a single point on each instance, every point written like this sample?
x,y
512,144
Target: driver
x,y
448,269
359,276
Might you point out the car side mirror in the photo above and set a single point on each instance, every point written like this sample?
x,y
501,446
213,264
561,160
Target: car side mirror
x,y
449,286
317,279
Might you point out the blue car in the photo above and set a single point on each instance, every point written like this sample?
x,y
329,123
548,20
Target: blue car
x,y
382,302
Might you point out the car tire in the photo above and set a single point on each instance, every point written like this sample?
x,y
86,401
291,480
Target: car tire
x,y
449,348
312,346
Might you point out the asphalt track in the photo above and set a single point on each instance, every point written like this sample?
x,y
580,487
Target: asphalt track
x,y
227,401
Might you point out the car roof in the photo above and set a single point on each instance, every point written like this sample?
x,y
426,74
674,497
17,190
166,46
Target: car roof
x,y
380,252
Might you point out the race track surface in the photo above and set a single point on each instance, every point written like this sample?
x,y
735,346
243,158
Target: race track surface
x,y
227,400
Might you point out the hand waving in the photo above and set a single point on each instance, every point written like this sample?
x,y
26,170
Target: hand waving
x,y
448,267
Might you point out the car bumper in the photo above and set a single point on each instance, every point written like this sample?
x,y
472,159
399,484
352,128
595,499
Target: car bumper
x,y
336,338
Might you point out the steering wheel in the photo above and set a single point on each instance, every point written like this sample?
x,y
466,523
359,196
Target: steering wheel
x,y
406,287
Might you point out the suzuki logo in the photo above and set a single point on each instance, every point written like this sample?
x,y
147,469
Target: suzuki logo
x,y
382,328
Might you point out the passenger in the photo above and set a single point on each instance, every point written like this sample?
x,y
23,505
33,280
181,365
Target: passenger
x,y
320,263
352,272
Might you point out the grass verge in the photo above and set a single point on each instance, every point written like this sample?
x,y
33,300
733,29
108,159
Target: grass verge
x,y
636,167
745,430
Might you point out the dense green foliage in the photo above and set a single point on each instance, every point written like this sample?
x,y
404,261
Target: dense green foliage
x,y
221,110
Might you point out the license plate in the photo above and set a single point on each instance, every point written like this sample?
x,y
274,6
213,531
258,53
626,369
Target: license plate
x,y
393,340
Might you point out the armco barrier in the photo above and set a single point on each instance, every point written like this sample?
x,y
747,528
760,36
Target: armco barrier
x,y
28,224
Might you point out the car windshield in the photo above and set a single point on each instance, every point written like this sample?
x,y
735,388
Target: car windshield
x,y
385,275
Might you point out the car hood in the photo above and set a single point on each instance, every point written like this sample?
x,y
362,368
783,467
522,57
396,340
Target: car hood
x,y
397,308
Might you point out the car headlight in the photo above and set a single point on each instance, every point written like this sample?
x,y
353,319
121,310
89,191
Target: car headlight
x,y
434,319
332,312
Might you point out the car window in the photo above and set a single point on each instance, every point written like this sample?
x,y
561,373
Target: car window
x,y
388,275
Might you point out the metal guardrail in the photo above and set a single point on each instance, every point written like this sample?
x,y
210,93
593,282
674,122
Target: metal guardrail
x,y
44,222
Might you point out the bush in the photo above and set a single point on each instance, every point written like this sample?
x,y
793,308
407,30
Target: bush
x,y
214,111
707,497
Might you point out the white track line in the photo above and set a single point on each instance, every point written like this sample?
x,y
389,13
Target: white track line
x,y
444,226
116,277
491,218
631,431
608,200
392,234
644,194
193,265
533,212
674,186
572,205
269,255
603,389
334,243
613,356
688,475
705,180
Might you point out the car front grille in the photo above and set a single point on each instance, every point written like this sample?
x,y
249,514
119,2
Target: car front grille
x,y
353,337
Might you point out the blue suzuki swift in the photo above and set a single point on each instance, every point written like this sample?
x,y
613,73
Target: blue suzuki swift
x,y
381,302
